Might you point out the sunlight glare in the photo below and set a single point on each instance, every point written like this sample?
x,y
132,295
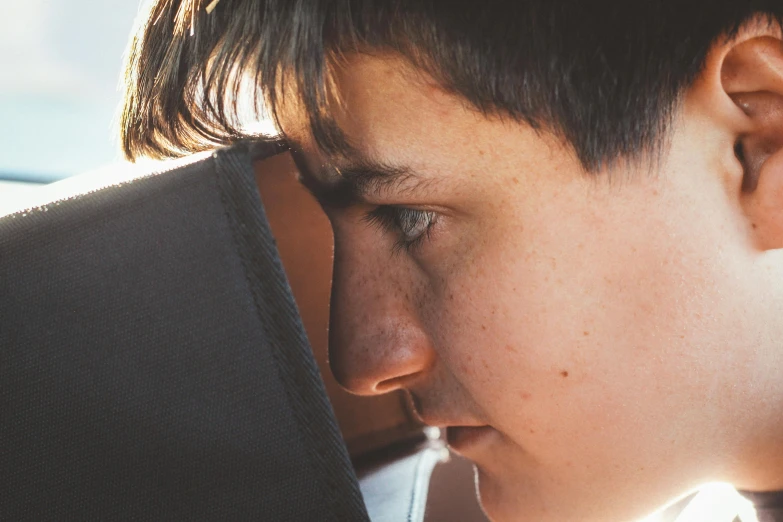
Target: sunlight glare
x,y
713,503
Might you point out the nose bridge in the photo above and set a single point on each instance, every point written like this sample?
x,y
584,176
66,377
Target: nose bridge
x,y
376,342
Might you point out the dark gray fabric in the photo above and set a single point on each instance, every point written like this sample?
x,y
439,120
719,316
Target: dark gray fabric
x,y
153,365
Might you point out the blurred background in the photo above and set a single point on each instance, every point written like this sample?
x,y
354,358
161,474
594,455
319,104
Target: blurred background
x,y
60,65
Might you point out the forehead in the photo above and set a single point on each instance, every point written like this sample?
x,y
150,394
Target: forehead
x,y
378,96
368,82
394,113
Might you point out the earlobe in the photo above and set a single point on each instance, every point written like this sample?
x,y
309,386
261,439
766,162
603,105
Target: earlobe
x,y
752,76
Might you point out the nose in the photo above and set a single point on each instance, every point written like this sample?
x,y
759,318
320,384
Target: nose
x,y
376,342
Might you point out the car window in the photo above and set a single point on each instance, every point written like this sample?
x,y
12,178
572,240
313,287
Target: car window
x,y
61,62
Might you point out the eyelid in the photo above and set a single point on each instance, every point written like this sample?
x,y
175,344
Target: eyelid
x,y
388,218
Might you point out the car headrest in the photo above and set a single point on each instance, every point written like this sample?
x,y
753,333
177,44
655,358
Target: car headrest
x,y
153,365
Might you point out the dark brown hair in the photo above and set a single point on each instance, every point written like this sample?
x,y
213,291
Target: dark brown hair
x,y
605,75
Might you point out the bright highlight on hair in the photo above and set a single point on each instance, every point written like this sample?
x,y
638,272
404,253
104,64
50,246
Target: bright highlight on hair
x,y
212,5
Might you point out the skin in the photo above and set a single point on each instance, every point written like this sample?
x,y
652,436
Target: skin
x,y
619,332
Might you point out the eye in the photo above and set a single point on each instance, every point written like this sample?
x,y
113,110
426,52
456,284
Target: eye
x,y
411,226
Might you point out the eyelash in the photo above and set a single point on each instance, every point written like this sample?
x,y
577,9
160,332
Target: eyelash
x,y
401,221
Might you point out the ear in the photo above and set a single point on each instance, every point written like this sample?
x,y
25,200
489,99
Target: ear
x,y
752,76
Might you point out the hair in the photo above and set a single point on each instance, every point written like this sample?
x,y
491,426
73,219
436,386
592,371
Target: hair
x,y
607,76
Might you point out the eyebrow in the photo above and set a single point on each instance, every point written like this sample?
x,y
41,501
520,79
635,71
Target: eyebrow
x,y
353,181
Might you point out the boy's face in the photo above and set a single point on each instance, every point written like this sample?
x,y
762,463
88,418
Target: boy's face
x,y
604,328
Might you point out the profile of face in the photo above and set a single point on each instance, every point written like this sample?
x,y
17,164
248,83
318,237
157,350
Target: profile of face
x,y
596,343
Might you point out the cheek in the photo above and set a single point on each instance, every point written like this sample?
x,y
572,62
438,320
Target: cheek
x,y
575,334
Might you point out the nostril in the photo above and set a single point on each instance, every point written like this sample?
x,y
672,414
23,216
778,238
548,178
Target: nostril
x,y
387,367
387,386
354,374
396,383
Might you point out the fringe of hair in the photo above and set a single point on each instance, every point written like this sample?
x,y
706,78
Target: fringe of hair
x,y
607,84
185,72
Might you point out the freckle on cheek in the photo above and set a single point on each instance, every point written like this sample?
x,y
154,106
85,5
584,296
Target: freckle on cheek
x,y
525,395
564,374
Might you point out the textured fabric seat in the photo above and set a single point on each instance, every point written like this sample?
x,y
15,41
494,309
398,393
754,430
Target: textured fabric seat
x,y
152,361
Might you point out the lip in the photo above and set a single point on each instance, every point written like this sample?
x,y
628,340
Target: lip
x,y
467,440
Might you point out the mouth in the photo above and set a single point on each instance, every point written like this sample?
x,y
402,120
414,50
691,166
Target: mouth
x,y
468,440
464,439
